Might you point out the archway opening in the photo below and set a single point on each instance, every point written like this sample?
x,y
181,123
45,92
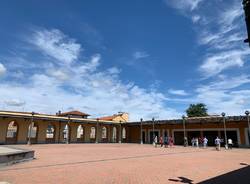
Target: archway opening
x,y
50,134
12,131
80,134
114,135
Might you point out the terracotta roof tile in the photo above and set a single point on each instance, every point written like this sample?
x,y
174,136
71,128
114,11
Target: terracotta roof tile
x,y
75,113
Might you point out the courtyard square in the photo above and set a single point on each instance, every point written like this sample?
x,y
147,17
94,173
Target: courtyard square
x,y
126,163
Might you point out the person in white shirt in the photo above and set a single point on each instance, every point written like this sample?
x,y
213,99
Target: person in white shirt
x,y
155,141
205,140
230,143
217,143
193,141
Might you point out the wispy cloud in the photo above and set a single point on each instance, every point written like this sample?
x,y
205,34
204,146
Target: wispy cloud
x,y
2,69
140,55
79,84
55,44
217,62
177,92
185,5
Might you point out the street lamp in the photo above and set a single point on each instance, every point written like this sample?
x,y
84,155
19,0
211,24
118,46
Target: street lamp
x,y
30,127
141,131
184,130
67,138
153,121
247,114
225,131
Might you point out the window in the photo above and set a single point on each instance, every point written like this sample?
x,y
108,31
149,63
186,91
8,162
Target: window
x,y
12,130
104,132
50,132
123,133
79,132
33,132
92,133
114,134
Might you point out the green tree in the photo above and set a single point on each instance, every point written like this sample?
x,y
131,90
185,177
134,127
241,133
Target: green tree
x,y
197,110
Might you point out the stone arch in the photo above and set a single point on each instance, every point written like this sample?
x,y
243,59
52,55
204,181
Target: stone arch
x,y
12,133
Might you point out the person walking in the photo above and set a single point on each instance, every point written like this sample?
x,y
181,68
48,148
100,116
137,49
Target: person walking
x,y
185,141
205,141
155,141
193,141
171,142
230,143
217,143
197,142
161,141
166,141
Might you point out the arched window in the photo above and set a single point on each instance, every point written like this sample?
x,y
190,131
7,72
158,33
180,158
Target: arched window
x,y
92,133
32,133
104,132
79,132
50,132
114,134
123,133
12,130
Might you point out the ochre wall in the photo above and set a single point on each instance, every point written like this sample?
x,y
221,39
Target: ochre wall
x,y
132,131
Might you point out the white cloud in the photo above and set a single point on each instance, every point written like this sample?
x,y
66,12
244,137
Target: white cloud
x,y
216,63
14,102
177,92
2,69
81,85
55,44
140,55
185,5
196,18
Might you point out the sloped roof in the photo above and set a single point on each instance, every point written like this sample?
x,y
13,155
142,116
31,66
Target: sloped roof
x,y
108,118
74,113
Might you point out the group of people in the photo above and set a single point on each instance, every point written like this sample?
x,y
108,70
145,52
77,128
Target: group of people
x,y
195,141
166,141
199,142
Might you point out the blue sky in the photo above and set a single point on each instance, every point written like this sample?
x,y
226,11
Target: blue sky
x,y
148,58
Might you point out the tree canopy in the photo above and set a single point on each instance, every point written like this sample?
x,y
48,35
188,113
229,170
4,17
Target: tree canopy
x,y
197,110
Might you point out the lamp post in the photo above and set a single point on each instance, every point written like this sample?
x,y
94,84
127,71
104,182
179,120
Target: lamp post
x,y
153,121
67,138
247,114
30,127
97,128
120,133
225,131
141,131
246,7
184,131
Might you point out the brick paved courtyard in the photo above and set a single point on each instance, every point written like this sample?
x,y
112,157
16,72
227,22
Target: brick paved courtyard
x,y
126,163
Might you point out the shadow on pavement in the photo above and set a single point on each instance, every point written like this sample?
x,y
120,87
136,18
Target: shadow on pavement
x,y
240,176
182,180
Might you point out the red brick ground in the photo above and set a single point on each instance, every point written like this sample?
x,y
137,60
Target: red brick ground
x,y
122,163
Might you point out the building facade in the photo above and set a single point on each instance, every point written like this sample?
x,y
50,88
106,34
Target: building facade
x,y
72,127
